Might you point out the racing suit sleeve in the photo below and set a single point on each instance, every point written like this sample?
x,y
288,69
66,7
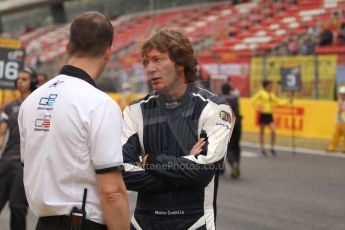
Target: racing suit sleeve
x,y
217,122
136,178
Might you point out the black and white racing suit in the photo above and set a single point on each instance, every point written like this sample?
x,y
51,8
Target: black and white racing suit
x,y
176,190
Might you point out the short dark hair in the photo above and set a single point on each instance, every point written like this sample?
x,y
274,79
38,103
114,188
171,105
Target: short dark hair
x,y
91,33
180,49
33,78
266,83
44,75
225,88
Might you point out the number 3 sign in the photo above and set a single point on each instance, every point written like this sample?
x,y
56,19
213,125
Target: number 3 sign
x,y
291,79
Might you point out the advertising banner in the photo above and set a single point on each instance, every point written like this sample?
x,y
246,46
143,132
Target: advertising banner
x,y
304,118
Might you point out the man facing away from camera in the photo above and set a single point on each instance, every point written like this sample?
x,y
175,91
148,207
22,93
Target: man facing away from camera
x,y
174,140
71,139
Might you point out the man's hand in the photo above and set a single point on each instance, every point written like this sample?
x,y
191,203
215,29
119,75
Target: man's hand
x,y
143,160
197,148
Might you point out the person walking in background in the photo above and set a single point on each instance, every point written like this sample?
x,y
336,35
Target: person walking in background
x,y
71,139
175,139
263,101
232,97
11,170
340,124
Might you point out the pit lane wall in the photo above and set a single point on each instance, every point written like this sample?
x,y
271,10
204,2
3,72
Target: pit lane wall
x,y
306,118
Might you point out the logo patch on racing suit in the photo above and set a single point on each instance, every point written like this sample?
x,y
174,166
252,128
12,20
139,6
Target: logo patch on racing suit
x,y
225,116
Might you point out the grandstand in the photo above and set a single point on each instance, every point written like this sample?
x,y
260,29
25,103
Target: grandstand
x,y
245,42
220,31
8,7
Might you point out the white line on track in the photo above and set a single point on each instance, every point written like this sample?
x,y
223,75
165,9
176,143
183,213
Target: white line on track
x,y
297,150
249,154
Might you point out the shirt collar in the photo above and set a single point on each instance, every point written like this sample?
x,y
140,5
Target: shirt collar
x,y
73,71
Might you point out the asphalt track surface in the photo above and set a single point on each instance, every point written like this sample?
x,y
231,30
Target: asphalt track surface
x,y
305,190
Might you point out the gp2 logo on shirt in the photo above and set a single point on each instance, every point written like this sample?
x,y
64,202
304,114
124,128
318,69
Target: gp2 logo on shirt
x,y
43,124
48,101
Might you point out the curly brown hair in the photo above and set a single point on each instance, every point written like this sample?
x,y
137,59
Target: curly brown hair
x,y
176,43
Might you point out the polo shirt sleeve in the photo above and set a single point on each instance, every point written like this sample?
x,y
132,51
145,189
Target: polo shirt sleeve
x,y
105,137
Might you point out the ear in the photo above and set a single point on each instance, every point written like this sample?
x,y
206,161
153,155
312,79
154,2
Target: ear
x,y
180,70
68,48
107,54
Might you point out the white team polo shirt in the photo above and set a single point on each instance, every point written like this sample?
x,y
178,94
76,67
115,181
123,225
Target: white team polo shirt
x,y
69,131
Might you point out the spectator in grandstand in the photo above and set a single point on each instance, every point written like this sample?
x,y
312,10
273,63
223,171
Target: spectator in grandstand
x,y
11,170
41,79
71,139
340,122
307,46
326,36
232,97
293,46
303,48
263,101
335,21
178,135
